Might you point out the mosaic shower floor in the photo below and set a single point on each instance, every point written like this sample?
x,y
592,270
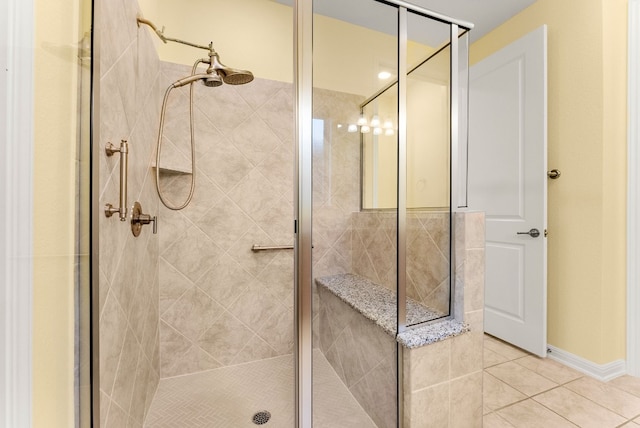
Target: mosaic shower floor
x,y
230,396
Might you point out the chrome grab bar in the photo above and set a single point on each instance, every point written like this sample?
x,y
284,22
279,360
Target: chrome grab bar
x,y
257,247
109,209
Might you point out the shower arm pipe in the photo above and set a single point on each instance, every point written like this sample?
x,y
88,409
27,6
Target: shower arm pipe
x,y
165,39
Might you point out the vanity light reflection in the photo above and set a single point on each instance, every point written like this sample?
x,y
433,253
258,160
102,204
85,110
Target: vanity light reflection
x,y
365,126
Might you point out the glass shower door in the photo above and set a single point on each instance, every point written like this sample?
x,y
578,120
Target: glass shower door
x,y
354,249
196,321
386,155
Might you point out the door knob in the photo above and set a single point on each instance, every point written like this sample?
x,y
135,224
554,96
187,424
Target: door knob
x,y
554,174
534,233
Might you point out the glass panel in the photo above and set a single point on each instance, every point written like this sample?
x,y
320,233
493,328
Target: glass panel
x,y
194,302
83,226
380,151
354,250
463,111
428,170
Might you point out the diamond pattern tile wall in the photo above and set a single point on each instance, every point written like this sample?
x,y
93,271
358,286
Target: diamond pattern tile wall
x,y
129,282
219,299
362,354
374,249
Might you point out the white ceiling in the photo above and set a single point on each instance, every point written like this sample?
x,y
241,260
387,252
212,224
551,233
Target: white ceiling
x,y
484,14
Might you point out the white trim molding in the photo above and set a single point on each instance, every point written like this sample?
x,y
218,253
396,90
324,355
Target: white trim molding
x,y
16,172
633,190
603,372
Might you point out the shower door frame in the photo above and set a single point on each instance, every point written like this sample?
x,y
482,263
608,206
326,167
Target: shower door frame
x,y
16,217
303,192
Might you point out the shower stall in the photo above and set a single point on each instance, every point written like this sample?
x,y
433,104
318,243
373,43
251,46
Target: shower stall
x,y
285,246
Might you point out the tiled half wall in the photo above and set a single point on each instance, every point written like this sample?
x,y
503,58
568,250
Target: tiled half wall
x,y
442,381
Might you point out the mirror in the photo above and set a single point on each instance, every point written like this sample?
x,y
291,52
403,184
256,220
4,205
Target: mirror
x,y
428,139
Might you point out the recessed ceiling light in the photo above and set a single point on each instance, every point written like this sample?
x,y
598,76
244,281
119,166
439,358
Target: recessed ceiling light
x,y
384,75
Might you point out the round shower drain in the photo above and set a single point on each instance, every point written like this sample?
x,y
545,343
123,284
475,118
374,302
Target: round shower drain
x,y
261,418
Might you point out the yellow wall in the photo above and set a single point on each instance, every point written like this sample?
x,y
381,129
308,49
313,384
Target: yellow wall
x,y
250,34
57,33
427,148
587,142
258,35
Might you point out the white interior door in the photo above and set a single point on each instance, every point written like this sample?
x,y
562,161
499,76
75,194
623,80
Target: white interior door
x,y
508,180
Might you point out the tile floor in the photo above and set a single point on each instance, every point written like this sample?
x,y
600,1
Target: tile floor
x,y
524,391
520,391
228,397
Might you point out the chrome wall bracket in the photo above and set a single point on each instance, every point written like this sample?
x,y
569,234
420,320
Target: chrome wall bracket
x,y
138,219
123,150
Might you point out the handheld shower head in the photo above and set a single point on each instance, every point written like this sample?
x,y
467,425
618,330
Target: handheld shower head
x,y
230,76
209,79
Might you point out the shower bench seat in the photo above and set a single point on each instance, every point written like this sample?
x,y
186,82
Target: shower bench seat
x,y
379,304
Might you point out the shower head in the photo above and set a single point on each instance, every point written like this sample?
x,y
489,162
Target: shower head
x,y
230,76
216,73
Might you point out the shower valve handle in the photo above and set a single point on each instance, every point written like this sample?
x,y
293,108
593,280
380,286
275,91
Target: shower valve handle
x,y
146,219
138,219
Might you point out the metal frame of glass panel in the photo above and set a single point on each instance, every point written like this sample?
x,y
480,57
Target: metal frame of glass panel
x,y
303,84
96,37
303,202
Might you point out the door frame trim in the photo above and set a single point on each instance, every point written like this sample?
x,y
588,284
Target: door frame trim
x,y
533,46
633,187
16,199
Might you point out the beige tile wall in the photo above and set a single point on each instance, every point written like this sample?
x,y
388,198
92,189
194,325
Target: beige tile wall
x,y
374,253
128,285
336,186
363,355
220,303
444,386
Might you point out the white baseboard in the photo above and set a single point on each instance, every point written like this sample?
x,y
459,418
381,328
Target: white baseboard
x,y
603,372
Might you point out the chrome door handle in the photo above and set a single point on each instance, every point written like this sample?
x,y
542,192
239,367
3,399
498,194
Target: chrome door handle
x,y
534,233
